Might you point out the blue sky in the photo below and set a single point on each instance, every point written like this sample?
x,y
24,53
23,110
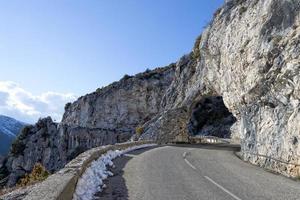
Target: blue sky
x,y
68,48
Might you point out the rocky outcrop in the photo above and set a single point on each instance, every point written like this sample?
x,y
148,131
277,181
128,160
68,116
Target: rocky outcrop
x,y
35,144
122,105
107,116
167,126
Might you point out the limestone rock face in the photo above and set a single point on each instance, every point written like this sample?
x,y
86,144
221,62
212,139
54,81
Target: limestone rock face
x,y
167,126
122,105
249,55
107,116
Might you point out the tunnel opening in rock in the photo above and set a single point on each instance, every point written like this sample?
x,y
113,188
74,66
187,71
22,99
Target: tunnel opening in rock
x,y
210,117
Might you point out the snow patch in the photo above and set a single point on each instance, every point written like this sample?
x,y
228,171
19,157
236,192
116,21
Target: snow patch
x,y
91,181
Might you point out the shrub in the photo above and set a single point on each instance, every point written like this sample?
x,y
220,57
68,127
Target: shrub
x,y
196,49
242,10
25,132
67,106
139,130
276,39
126,76
3,172
38,173
217,12
17,147
98,90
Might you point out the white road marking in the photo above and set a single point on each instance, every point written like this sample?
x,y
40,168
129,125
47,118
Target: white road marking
x,y
222,188
190,164
209,179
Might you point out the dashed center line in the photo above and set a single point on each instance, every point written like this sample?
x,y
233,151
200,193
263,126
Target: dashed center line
x,y
190,164
222,188
209,179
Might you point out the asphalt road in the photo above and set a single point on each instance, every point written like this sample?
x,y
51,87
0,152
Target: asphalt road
x,y
192,173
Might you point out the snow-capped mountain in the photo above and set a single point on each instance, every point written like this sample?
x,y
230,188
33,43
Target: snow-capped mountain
x,y
9,129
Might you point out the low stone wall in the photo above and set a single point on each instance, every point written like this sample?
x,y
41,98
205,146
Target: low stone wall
x,y
61,185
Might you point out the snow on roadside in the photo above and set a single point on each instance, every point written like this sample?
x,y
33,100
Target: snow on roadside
x,y
91,181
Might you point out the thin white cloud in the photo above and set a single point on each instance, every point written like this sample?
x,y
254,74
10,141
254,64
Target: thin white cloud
x,y
21,104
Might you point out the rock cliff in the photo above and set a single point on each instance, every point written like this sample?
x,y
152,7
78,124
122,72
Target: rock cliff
x,y
242,80
108,116
250,56
124,104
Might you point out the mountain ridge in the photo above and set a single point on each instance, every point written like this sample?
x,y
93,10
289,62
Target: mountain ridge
x,y
9,130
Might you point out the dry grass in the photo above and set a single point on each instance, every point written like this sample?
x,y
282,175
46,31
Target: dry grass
x,y
139,130
38,174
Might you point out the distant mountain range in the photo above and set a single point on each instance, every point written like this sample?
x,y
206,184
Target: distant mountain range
x,y
9,130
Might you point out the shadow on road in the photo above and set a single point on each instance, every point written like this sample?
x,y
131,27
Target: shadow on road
x,y
223,147
116,188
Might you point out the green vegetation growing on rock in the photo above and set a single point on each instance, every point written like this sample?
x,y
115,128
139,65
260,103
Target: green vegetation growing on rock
x,y
126,76
196,49
139,130
18,146
67,106
217,12
276,39
242,10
